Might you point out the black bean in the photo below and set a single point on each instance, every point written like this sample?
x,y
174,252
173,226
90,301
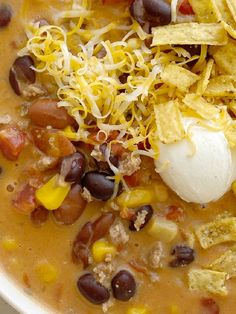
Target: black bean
x,y
39,215
98,185
184,256
143,209
151,12
123,285
123,78
73,167
22,73
5,15
92,290
160,10
138,12
114,160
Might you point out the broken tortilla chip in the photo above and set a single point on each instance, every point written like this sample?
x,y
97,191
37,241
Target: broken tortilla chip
x,y
198,104
204,11
224,15
205,77
224,57
169,130
225,263
207,281
221,86
179,77
190,34
218,231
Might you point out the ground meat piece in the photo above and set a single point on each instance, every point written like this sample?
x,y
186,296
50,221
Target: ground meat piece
x,y
46,162
33,91
106,306
5,119
118,234
184,256
155,256
140,220
129,164
103,273
86,195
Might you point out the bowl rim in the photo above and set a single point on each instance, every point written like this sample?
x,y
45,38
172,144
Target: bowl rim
x,y
18,298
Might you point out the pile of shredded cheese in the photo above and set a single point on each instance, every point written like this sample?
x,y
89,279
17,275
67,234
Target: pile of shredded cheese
x,y
86,55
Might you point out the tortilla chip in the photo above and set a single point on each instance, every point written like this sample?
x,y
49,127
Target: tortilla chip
x,y
225,16
207,281
232,7
169,124
222,86
205,77
225,57
218,231
231,31
179,77
225,263
198,104
204,11
190,34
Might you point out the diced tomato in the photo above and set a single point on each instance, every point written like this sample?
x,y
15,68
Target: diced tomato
x,y
133,180
25,200
175,213
113,135
12,141
138,267
144,145
185,8
52,142
209,306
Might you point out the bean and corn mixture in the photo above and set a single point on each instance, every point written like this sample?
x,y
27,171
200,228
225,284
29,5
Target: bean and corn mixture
x,y
99,84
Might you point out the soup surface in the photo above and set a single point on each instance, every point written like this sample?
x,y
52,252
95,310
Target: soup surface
x,y
146,231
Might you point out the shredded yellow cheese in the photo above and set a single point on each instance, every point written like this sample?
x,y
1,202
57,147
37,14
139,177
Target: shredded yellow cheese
x,y
111,75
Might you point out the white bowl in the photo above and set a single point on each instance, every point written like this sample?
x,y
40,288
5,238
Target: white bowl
x,y
14,295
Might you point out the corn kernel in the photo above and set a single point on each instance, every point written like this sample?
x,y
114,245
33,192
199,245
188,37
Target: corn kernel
x,y
234,187
46,272
9,244
162,229
101,249
142,196
70,133
137,310
52,194
174,309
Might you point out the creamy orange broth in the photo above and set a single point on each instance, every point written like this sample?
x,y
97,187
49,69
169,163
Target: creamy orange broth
x,y
53,242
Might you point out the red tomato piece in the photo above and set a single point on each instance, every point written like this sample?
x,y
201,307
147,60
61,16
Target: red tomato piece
x,y
25,200
12,141
185,8
209,306
175,213
133,180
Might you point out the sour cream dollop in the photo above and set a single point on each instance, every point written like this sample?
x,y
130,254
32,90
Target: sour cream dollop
x,y
199,170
